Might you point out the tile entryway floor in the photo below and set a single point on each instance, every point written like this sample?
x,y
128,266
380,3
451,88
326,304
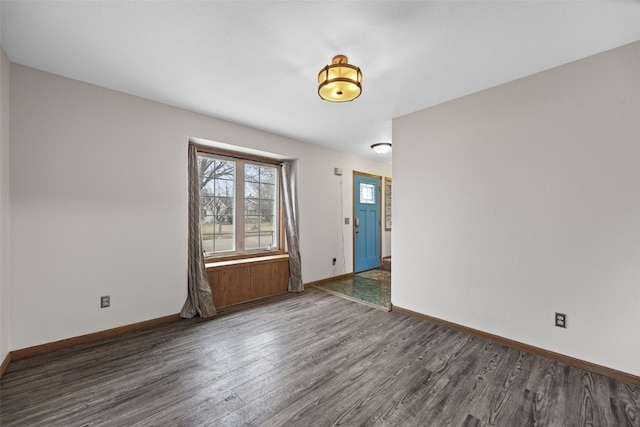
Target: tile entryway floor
x,y
371,287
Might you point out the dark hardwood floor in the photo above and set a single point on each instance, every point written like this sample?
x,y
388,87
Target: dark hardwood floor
x,y
310,360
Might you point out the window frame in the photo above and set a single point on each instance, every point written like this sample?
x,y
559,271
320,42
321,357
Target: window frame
x,y
257,160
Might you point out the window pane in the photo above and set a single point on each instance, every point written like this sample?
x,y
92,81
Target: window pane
x,y
268,175
205,166
251,189
260,207
223,188
367,193
251,173
207,242
266,207
267,191
217,207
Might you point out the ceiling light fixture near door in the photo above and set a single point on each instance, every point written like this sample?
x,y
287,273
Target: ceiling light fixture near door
x,y
382,147
340,81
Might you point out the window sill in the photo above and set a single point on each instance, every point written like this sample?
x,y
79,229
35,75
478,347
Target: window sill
x,y
211,263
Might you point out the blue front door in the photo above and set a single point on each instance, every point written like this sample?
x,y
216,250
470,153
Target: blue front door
x,y
366,222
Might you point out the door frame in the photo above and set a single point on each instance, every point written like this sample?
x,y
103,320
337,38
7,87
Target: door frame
x,y
353,215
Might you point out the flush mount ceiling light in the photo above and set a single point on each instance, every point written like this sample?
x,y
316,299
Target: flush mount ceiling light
x,y
382,147
340,81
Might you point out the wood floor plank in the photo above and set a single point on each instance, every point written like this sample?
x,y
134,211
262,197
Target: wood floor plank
x,y
625,403
306,360
371,379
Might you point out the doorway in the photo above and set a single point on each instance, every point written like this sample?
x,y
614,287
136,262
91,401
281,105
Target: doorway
x,y
367,225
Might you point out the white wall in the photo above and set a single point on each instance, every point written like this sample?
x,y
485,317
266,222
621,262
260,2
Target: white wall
x,y
319,197
523,200
4,205
98,205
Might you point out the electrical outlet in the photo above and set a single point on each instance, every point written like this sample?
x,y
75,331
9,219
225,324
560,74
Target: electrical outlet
x,y
105,301
561,320
333,261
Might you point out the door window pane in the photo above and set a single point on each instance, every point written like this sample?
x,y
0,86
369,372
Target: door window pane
x,y
367,193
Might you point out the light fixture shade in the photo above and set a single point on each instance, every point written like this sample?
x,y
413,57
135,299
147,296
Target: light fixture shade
x,y
340,81
382,147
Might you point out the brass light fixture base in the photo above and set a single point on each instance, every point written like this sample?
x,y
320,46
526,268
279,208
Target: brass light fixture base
x,y
340,81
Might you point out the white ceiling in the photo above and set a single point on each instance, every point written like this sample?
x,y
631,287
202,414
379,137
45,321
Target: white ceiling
x,y
256,62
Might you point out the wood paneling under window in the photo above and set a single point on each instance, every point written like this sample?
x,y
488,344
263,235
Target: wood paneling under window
x,y
233,282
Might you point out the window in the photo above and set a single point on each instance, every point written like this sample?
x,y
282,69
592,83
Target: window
x,y
367,193
260,206
229,227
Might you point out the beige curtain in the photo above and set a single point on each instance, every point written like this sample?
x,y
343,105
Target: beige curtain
x,y
291,228
199,299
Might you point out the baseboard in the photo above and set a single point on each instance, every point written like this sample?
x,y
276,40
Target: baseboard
x,y
5,363
329,279
83,339
572,361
